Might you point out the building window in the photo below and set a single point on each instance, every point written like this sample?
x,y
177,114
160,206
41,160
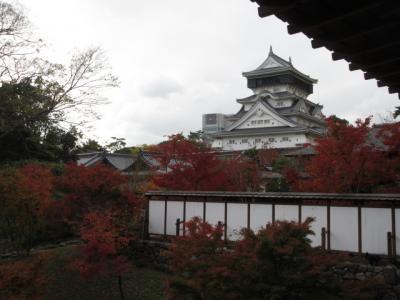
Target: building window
x,y
244,141
285,139
266,121
259,121
253,122
231,142
258,141
271,140
279,103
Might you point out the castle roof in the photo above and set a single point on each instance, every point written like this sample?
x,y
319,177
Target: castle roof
x,y
266,131
275,65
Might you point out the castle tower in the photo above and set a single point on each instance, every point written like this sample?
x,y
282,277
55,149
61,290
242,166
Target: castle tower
x,y
277,114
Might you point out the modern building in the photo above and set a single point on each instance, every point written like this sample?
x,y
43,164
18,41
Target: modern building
x,y
277,115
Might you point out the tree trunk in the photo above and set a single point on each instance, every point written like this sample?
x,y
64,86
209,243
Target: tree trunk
x,y
121,291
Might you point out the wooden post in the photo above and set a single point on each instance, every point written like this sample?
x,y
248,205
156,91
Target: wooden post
x,y
225,221
394,232
273,213
165,216
328,221
389,244
146,219
359,230
248,215
300,214
177,224
204,209
184,216
323,238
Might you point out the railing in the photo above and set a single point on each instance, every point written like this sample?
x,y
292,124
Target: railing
x,y
349,222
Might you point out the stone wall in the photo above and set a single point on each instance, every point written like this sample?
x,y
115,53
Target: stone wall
x,y
378,282
373,281
148,253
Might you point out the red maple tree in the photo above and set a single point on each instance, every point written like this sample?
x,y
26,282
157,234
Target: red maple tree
x,y
26,194
276,262
346,161
187,165
106,215
106,240
99,188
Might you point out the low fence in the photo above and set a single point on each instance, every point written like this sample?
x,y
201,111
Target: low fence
x,y
347,222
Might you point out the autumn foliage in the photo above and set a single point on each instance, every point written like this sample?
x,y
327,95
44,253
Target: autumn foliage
x,y
26,197
277,262
346,161
105,239
24,279
188,165
106,215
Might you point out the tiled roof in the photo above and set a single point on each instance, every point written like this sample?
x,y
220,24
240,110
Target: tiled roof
x,y
266,130
273,65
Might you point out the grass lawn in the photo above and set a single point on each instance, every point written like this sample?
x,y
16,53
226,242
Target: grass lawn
x,y
66,284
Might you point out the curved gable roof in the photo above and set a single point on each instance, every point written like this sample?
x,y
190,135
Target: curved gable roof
x,y
270,110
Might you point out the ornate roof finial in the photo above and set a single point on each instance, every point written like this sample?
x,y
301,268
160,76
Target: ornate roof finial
x,y
270,49
290,60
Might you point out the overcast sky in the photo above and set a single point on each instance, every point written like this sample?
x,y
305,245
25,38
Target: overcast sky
x,y
179,59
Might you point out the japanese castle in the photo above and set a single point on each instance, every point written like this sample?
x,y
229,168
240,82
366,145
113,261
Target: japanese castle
x,y
277,115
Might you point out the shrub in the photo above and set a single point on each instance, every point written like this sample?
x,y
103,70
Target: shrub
x,y
24,278
277,262
25,198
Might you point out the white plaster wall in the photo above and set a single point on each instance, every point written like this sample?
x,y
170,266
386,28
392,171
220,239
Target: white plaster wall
x,y
281,88
217,143
375,223
287,213
264,117
284,102
319,214
397,217
156,217
236,219
194,209
215,212
294,139
174,211
260,215
344,228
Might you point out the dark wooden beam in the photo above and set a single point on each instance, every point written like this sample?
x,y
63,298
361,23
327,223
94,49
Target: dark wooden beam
x,y
322,19
365,66
394,89
362,40
352,53
372,30
394,81
381,75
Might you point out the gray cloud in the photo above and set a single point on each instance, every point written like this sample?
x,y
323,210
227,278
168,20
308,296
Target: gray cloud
x,y
162,87
200,48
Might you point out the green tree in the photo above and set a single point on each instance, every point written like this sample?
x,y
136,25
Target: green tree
x,y
38,97
26,131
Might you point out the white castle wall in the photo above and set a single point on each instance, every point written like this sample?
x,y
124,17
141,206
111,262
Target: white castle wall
x,y
375,222
237,143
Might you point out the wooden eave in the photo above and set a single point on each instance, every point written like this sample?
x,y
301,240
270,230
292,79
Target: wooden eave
x,y
366,33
